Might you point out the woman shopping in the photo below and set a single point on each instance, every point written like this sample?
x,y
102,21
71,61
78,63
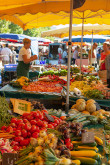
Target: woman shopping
x,y
25,59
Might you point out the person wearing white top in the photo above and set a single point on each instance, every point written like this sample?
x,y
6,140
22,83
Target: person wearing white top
x,y
6,54
25,59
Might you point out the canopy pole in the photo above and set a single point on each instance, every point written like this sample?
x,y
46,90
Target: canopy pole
x,y
82,41
69,55
91,49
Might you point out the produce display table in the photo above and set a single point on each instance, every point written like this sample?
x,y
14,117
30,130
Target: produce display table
x,y
11,92
84,62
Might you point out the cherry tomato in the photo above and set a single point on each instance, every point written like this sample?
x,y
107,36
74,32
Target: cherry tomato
x,y
16,148
3,128
67,140
24,142
69,145
50,126
18,133
35,135
14,120
9,129
27,126
19,138
33,122
24,133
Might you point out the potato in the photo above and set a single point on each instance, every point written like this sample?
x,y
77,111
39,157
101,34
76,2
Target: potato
x,y
80,100
80,106
90,101
90,107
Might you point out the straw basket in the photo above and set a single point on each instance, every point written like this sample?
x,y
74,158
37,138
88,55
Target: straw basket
x,y
103,75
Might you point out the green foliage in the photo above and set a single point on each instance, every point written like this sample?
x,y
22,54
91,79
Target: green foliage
x,y
4,26
15,29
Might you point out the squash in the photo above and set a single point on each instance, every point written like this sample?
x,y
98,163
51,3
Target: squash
x,y
98,140
87,147
90,101
74,106
102,111
95,113
80,101
86,112
86,161
80,106
77,162
90,107
83,153
79,143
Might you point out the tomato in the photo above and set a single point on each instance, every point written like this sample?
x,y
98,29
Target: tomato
x,y
18,139
22,125
9,129
35,135
36,115
19,121
13,125
29,134
24,133
67,140
69,145
14,143
24,142
16,148
27,126
56,121
50,126
34,128
14,129
25,121
39,123
14,120
18,133
41,116
30,117
33,122
25,115
63,117
54,124
45,124
3,128
44,111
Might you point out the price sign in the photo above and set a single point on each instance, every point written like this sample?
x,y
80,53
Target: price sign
x,y
88,137
21,106
9,158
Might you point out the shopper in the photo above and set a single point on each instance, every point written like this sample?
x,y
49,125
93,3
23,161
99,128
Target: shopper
x,y
13,55
75,54
93,56
65,56
6,54
60,53
107,64
25,59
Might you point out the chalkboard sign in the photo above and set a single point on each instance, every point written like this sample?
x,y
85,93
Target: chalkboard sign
x,y
88,137
9,158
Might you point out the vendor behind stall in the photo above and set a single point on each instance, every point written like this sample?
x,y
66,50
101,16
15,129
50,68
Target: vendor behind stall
x,y
25,59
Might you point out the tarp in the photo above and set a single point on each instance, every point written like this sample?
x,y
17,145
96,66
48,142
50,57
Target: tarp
x,y
88,38
76,30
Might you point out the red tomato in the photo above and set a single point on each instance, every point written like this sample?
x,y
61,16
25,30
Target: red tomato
x,y
29,134
13,125
25,115
14,143
45,111
19,121
41,116
33,122
36,115
16,148
69,145
14,129
54,124
56,121
45,124
34,128
25,121
24,142
30,117
50,126
63,117
18,133
14,120
67,140
35,135
22,125
39,123
3,128
24,133
9,129
19,138
27,126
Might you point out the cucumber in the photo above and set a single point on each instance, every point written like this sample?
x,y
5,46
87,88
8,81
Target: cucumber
x,y
97,157
80,120
86,161
72,117
84,123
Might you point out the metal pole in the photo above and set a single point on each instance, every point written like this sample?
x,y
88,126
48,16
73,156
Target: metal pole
x,y
91,49
69,55
82,41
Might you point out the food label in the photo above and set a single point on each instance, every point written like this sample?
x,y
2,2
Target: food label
x,y
21,106
9,158
88,137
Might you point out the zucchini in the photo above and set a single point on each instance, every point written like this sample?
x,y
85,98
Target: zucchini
x,y
98,140
84,123
87,148
79,143
80,120
83,153
72,117
97,157
76,162
86,161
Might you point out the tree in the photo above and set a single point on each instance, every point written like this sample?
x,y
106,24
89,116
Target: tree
x,y
4,26
15,29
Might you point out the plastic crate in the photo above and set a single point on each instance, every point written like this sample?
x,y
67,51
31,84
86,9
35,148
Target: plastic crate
x,y
10,67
